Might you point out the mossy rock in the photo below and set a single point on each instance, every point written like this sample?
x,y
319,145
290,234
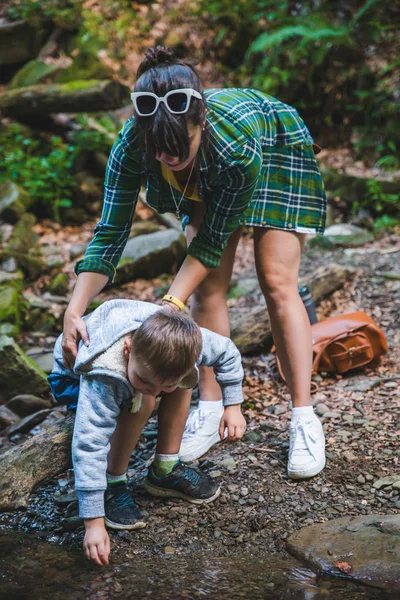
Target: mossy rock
x,y
23,238
59,285
41,320
14,201
84,67
34,71
11,305
9,330
19,374
32,266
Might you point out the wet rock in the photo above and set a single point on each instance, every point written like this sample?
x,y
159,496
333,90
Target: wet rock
x,y
253,436
18,372
14,202
7,417
151,255
72,523
28,423
27,404
369,545
65,499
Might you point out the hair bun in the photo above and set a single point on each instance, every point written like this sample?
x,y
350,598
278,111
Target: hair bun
x,y
155,57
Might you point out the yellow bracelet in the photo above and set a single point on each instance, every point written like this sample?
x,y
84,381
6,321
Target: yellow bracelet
x,y
173,300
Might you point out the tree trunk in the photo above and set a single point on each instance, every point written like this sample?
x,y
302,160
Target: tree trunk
x,y
74,97
251,328
39,458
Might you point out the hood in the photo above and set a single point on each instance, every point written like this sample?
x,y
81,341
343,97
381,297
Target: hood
x,y
108,323
112,320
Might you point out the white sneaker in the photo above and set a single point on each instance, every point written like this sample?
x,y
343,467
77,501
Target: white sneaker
x,y
201,432
307,448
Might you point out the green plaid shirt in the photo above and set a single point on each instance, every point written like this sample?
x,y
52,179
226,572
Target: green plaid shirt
x,y
245,128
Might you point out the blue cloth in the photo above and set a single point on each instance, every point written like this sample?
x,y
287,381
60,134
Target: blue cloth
x,y
65,389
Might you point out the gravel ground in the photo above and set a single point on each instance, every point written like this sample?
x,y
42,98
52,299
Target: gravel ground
x,y
259,506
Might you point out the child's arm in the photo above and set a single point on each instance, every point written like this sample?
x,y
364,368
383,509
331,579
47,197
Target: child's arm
x,y
96,544
221,353
98,408
234,422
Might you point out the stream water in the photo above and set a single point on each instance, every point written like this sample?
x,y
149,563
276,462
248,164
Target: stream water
x,y
41,570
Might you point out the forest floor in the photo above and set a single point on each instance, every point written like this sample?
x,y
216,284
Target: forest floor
x,y
259,506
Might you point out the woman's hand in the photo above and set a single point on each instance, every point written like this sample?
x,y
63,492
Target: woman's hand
x,y
96,544
234,422
170,307
74,330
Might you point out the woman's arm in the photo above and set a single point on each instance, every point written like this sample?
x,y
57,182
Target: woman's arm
x,y
189,276
88,285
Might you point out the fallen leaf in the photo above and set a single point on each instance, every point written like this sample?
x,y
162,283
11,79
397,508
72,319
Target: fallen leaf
x,y
345,567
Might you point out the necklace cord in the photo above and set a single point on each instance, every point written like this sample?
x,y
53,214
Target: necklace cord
x,y
177,204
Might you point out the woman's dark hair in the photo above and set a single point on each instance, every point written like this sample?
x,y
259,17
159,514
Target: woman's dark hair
x,y
160,72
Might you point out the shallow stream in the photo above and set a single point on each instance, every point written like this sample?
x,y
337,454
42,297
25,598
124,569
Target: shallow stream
x,y
41,570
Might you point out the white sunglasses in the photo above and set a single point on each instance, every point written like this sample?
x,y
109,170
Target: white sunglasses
x,y
176,101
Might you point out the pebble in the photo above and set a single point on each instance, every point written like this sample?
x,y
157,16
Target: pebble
x,y
361,479
386,481
332,415
214,474
321,409
349,456
228,462
348,418
169,550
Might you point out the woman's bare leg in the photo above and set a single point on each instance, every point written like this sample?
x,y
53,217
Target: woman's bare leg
x,y
277,255
208,304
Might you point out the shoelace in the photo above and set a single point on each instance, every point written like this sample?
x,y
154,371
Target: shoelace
x,y
304,438
124,501
191,475
194,422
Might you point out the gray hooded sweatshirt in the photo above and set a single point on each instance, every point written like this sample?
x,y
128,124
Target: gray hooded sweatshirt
x,y
104,387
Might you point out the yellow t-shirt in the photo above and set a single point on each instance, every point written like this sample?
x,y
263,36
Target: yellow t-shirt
x,y
169,176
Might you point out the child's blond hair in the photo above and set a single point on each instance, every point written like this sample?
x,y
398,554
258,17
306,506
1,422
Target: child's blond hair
x,y
168,343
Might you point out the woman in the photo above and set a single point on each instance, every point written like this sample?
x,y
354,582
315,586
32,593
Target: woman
x,y
221,159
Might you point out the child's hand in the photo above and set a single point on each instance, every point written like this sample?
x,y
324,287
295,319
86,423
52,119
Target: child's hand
x,y
96,544
234,422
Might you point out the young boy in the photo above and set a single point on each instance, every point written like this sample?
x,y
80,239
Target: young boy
x,y
139,351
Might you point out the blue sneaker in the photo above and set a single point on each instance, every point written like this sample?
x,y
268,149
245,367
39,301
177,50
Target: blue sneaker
x,y
120,510
183,482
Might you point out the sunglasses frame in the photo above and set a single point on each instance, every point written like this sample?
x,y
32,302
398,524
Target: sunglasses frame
x,y
188,91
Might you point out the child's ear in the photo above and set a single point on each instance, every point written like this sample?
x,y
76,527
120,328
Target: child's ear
x,y
127,347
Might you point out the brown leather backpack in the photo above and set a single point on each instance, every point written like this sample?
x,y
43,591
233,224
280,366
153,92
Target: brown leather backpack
x,y
346,342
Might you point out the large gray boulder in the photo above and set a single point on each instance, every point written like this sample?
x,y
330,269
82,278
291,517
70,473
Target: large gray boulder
x,y
366,549
18,373
147,256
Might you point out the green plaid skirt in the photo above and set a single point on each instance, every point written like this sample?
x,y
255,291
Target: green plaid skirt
x,y
290,194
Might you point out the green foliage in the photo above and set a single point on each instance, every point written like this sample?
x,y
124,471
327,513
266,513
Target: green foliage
x,y
382,204
65,13
42,166
335,61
